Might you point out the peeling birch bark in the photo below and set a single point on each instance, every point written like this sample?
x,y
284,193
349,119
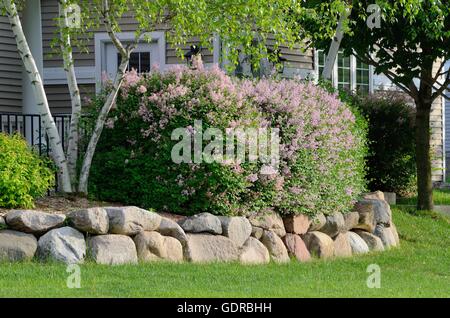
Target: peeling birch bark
x,y
57,151
334,48
75,98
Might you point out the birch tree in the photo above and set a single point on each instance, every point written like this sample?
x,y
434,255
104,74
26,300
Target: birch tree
x,y
9,8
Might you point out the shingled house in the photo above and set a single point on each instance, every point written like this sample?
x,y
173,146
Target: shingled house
x,y
16,96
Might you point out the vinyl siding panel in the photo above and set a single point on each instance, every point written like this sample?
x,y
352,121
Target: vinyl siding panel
x,y
59,97
10,71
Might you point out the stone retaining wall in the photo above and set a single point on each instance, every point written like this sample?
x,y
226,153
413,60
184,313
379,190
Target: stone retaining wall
x,y
123,235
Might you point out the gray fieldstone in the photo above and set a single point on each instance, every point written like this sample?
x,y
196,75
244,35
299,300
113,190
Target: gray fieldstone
x,y
334,225
351,220
65,245
33,222
92,221
237,229
168,227
386,235
373,242
358,245
131,220
16,246
202,223
207,248
112,249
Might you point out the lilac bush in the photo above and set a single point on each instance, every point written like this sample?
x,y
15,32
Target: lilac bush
x,y
322,148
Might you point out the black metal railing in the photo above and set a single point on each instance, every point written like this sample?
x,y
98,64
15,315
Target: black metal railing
x,y
30,127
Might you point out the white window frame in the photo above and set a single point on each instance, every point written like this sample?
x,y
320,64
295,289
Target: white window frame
x,y
334,78
103,39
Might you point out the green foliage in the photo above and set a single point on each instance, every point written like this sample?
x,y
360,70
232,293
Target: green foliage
x,y
322,146
391,161
24,175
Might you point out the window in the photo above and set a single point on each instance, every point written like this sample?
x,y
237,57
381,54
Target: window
x,y
349,73
344,71
140,61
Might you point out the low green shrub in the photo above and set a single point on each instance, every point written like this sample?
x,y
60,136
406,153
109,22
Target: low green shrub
x,y
322,146
24,175
391,162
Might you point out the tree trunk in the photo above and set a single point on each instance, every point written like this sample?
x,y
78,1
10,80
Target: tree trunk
x,y
75,98
334,47
57,151
112,97
423,157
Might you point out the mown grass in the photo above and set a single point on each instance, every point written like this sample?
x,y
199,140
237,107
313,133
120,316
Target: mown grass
x,y
440,197
420,268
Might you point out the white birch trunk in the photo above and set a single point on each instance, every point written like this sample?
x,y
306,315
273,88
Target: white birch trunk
x,y
69,68
334,48
48,122
112,97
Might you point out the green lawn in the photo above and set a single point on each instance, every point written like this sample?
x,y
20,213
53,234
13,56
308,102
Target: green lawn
x,y
420,268
440,197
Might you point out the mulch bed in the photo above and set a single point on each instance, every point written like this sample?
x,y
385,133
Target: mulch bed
x,y
59,204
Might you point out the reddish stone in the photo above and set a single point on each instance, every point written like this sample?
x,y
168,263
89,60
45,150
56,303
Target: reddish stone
x,y
297,224
296,247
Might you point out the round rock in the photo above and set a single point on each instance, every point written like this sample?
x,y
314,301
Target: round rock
x,y
152,246
358,245
254,252
34,222
92,221
202,223
131,220
296,247
112,249
237,229
16,246
65,245
276,247
319,244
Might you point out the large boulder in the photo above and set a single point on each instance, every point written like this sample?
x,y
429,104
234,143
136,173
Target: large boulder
x,y
112,249
381,210
254,252
319,244
276,247
92,221
207,248
270,221
351,220
342,247
297,224
334,225
168,227
131,220
237,229
358,245
366,217
296,247
34,222
152,246
373,242
386,235
65,245
16,246
202,223
317,222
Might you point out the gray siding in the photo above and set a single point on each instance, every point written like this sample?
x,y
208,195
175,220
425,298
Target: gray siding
x,y
10,71
59,97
